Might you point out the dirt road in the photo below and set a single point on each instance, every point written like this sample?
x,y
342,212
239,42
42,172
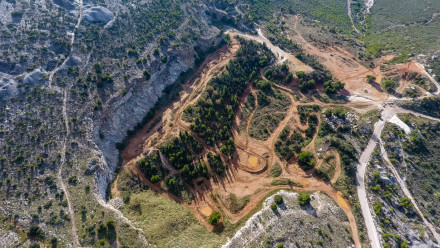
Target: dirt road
x,y
282,56
242,179
360,176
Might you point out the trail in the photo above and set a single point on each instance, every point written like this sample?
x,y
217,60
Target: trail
x,y
242,181
212,63
281,55
248,122
314,184
76,242
343,65
351,17
338,168
362,194
426,74
120,216
72,42
60,177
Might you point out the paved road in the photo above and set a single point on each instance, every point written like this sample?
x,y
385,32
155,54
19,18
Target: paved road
x,y
362,194
386,115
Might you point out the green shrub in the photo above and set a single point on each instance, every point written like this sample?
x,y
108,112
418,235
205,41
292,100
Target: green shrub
x,y
111,224
405,202
278,199
132,52
34,245
304,199
306,160
404,244
389,85
214,218
35,232
273,206
276,170
333,88
371,79
54,242
378,208
146,74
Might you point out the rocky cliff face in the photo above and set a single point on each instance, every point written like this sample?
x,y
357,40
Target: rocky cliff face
x,y
124,113
121,114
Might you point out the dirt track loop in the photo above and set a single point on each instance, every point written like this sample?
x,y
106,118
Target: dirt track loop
x,y
244,179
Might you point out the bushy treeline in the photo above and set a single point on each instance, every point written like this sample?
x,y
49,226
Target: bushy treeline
x,y
311,129
305,110
214,113
279,74
279,39
428,106
184,154
287,144
216,164
152,167
309,81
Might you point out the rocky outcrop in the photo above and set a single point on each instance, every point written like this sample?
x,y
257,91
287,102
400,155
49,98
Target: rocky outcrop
x,y
36,77
294,226
8,86
97,14
124,113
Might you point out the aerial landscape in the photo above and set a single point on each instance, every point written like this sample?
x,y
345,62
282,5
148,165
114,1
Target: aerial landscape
x,y
220,123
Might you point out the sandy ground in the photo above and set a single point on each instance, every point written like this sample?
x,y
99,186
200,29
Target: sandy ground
x,y
347,68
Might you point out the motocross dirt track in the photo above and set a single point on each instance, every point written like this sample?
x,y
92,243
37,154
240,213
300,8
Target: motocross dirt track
x,y
248,171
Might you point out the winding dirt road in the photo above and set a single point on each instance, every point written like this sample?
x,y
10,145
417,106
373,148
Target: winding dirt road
x,y
242,180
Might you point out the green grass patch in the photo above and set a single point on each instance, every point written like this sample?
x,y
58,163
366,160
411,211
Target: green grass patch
x,y
168,223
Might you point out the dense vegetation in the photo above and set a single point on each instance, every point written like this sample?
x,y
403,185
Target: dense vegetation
x,y
214,218
184,154
276,170
214,113
428,106
288,144
182,150
279,74
389,85
305,110
152,167
306,160
304,199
